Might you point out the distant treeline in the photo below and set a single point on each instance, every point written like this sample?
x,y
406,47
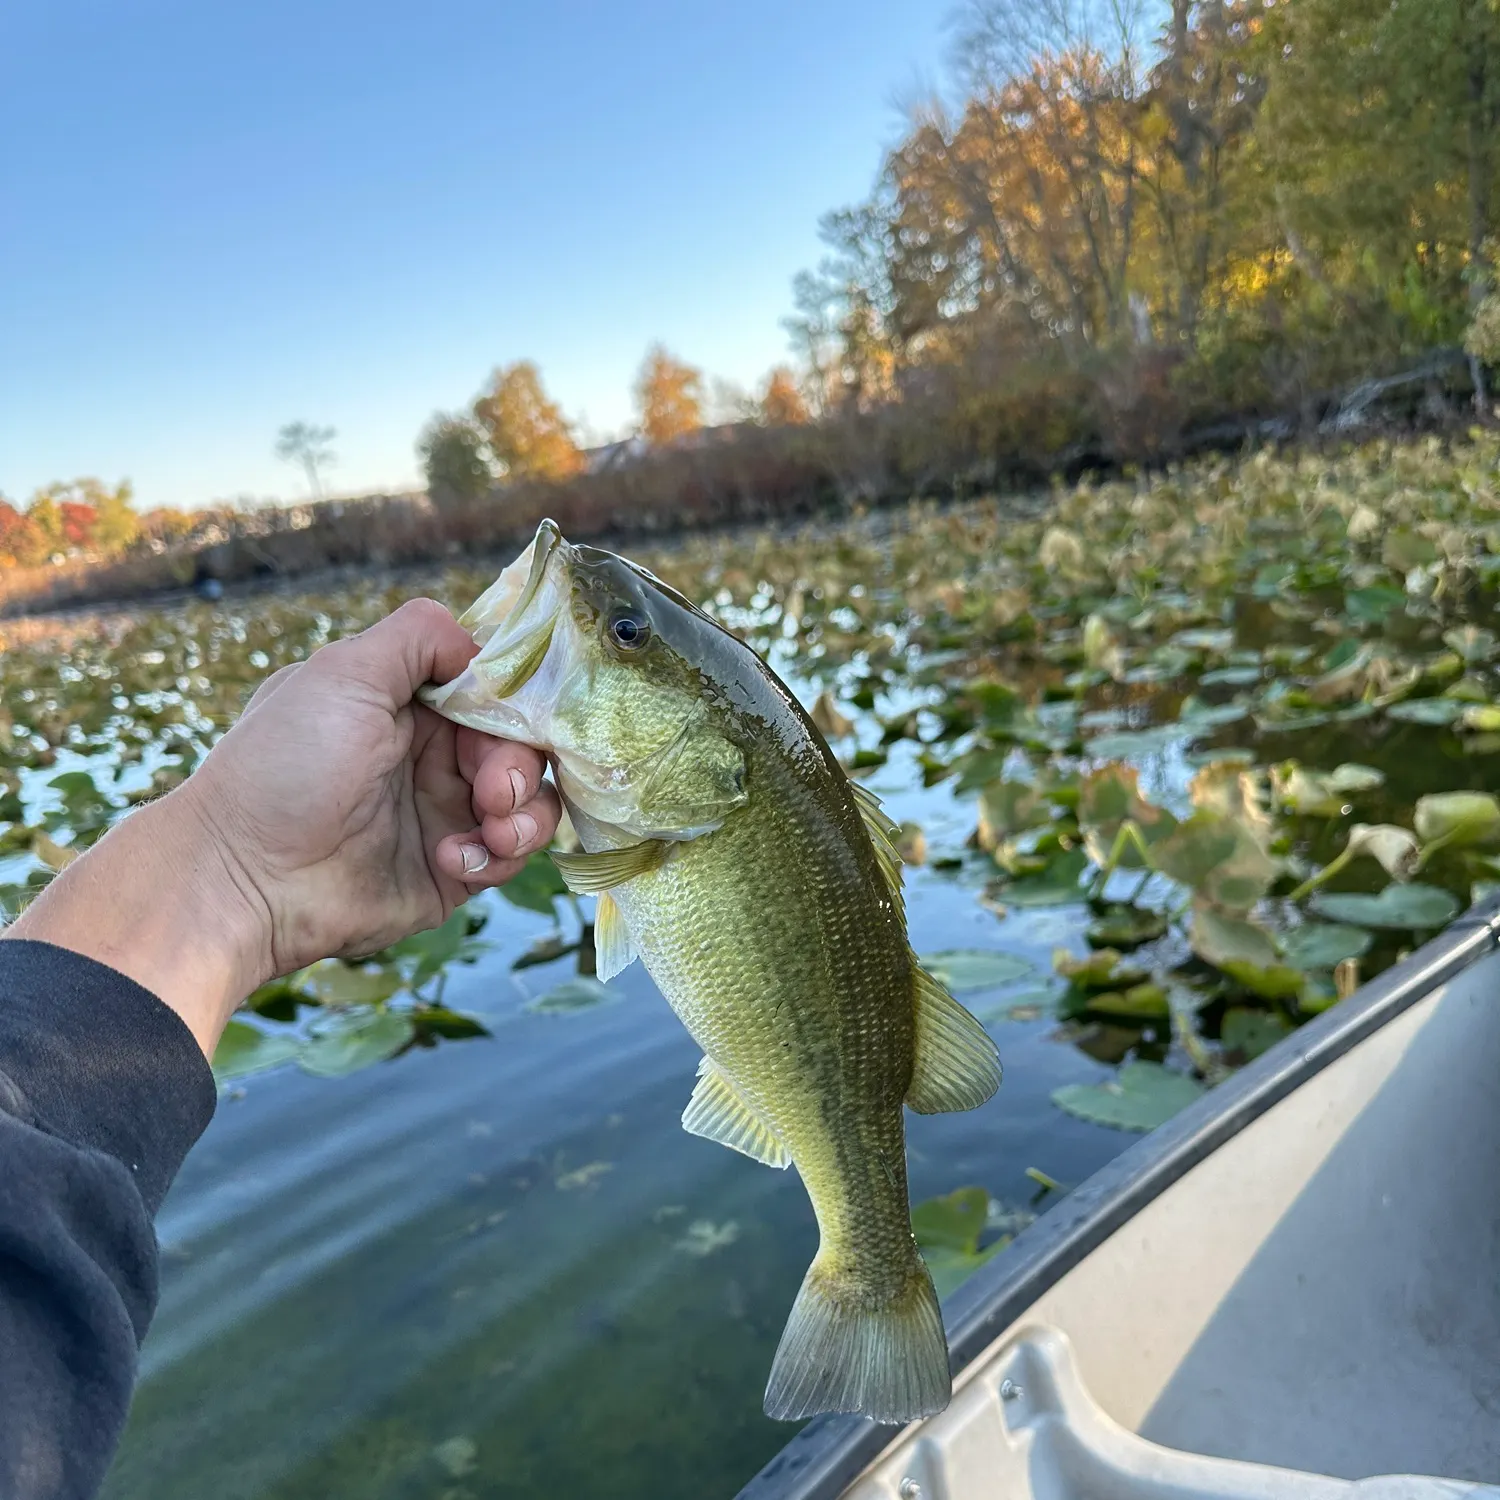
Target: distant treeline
x,y
1142,227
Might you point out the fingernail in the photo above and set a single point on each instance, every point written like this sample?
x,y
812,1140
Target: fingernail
x,y
475,857
525,830
517,788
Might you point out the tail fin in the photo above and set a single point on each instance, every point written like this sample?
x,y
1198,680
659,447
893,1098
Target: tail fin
x,y
840,1352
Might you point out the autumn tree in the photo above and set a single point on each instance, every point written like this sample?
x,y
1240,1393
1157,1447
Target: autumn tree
x,y
307,444
668,397
529,438
455,457
782,403
21,541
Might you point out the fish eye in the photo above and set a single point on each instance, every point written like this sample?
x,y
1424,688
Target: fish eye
x,y
628,630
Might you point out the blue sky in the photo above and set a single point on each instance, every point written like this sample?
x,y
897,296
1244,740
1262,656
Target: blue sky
x,y
217,216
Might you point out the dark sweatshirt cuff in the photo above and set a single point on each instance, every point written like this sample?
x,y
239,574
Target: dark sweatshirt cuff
x,y
101,1062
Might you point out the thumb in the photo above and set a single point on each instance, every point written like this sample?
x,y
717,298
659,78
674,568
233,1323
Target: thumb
x,y
420,643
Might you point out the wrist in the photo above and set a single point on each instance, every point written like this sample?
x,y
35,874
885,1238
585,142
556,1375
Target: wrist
x,y
162,900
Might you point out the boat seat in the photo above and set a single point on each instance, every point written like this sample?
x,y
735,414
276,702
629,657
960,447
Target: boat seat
x,y
1028,1429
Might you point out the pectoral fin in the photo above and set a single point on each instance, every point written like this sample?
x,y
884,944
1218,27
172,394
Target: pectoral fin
x,y
718,1113
614,948
957,1065
589,874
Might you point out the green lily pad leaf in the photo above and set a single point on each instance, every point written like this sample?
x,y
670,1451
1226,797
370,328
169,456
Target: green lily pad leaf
x,y
1371,606
1306,792
1405,549
1107,799
1434,711
1141,1096
535,886
1007,808
1198,718
1212,641
1472,642
1468,689
979,767
1230,677
438,1020
334,983
582,993
547,948
962,969
351,1040
1102,970
1458,819
1057,884
1218,858
1247,1033
949,1269
1352,778
953,1222
1398,908
1324,945
73,784
425,954
1134,744
1219,938
279,1000
1141,1002
244,1049
1125,927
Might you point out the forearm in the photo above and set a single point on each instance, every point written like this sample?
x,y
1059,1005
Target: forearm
x,y
159,900
102,1092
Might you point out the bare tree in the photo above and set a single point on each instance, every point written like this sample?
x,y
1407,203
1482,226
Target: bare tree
x,y
306,444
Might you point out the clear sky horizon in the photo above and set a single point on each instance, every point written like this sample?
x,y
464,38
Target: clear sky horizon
x,y
220,218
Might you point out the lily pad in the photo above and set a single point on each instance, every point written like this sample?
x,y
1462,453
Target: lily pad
x,y
1101,970
351,1040
536,886
1324,945
1434,711
1141,1002
244,1049
947,1230
1057,884
1218,858
1248,1033
1141,1096
1398,908
583,993
1125,927
963,969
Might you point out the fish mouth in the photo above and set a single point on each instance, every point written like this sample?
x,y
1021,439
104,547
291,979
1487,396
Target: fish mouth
x,y
513,623
502,605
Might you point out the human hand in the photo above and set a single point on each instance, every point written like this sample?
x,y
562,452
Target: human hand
x,y
336,817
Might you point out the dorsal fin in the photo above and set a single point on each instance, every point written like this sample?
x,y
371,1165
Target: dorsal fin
x,y
882,831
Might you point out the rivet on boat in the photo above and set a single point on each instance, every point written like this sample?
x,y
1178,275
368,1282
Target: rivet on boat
x,y
1009,1390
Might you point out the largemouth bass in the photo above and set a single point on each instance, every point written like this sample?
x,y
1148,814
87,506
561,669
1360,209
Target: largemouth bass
x,y
762,890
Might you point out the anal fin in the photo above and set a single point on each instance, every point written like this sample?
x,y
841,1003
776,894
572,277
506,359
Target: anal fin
x,y
957,1065
718,1113
614,948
